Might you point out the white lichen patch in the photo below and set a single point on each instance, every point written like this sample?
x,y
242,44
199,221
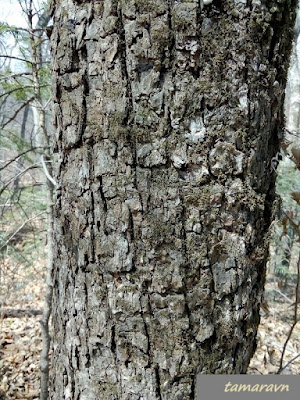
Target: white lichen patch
x,y
243,100
197,130
243,97
191,45
225,159
179,157
205,332
151,154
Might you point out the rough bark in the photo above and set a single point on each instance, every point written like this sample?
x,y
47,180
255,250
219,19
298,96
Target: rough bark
x,y
167,115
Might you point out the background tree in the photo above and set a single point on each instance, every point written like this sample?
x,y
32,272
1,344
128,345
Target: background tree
x,y
24,83
20,135
287,269
167,117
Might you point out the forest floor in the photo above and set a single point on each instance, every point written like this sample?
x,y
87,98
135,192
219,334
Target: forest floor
x,y
20,339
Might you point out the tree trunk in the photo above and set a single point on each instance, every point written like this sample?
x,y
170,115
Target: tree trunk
x,y
20,159
167,117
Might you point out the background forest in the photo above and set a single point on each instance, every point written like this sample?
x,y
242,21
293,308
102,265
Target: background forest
x,y
26,189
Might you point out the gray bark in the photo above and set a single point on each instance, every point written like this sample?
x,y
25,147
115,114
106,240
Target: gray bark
x,y
167,114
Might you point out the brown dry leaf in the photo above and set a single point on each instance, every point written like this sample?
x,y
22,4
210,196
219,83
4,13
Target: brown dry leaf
x,y
296,155
296,196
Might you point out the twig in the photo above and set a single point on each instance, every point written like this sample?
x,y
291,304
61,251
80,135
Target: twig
x,y
47,104
20,155
15,89
256,369
296,133
20,227
295,320
293,223
282,294
17,112
17,28
47,172
290,362
18,313
5,94
15,58
19,174
13,76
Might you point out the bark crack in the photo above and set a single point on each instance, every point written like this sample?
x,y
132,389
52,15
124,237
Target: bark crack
x,y
93,228
147,335
132,246
104,203
85,93
193,394
158,391
123,59
113,340
185,255
126,76
171,33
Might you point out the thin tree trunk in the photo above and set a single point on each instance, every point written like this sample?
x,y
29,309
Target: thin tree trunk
x,y
167,118
45,361
44,139
20,159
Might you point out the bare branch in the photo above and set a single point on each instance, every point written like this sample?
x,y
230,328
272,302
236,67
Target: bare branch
x,y
17,112
20,155
47,172
295,133
20,227
15,90
33,30
37,165
283,295
293,223
15,58
290,362
21,88
47,104
13,76
295,319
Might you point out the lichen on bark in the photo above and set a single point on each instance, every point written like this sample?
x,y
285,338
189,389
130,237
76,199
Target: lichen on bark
x,y
167,116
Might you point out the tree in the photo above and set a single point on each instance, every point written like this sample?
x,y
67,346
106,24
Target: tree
x,y
28,81
167,123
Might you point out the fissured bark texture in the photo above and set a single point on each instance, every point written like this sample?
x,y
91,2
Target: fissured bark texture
x,y
167,115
